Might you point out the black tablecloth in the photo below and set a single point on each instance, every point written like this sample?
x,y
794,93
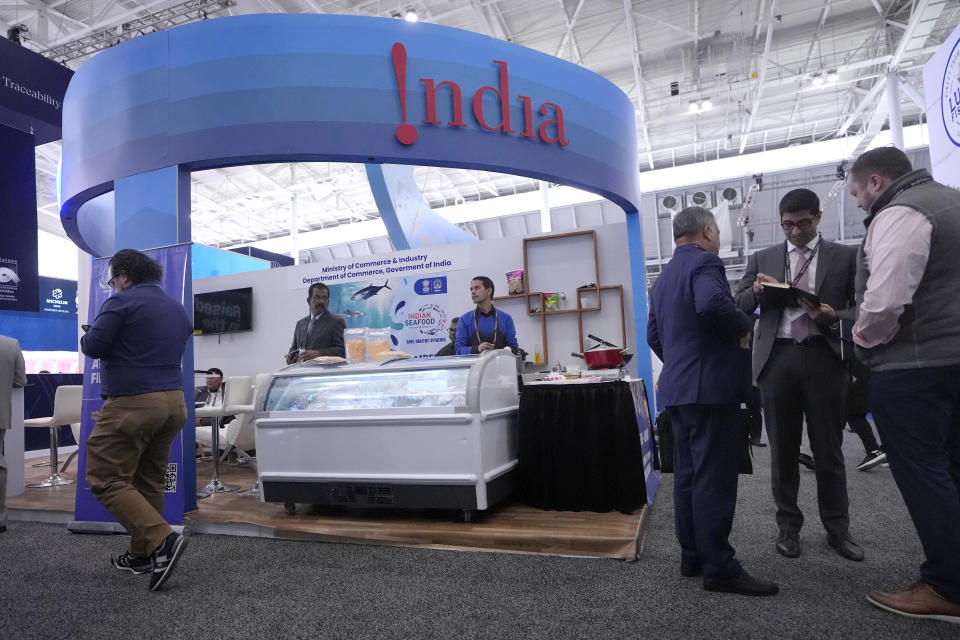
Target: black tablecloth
x,y
579,448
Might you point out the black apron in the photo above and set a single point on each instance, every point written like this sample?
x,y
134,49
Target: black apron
x,y
497,339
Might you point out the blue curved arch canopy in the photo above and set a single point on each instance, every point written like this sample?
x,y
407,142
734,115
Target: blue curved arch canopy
x,y
272,88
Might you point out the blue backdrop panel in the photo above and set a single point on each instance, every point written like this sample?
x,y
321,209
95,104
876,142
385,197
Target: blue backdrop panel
x,y
408,217
18,210
275,259
180,483
266,88
208,261
54,326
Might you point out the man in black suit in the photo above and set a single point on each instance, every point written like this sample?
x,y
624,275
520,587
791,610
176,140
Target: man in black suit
x,y
211,395
697,331
320,333
799,374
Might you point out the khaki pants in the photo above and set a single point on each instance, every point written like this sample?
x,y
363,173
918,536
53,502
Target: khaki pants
x,y
127,456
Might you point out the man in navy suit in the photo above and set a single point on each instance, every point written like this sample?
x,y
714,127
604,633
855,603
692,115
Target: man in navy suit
x,y
698,332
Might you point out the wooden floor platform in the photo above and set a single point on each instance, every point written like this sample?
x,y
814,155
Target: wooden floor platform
x,y
510,527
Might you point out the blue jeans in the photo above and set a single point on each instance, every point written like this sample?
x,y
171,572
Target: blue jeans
x,y
917,412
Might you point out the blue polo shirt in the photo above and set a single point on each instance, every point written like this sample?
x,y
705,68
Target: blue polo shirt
x,y
139,336
485,324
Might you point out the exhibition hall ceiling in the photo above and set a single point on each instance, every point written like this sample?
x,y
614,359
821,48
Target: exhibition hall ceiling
x,y
709,79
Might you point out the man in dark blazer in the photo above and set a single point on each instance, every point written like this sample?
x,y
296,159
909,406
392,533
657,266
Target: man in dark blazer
x,y
700,335
797,367
320,333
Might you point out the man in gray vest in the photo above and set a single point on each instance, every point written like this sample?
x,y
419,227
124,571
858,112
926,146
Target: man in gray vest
x,y
908,333
12,375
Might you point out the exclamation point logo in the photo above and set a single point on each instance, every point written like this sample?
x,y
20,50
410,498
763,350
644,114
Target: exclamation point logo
x,y
406,132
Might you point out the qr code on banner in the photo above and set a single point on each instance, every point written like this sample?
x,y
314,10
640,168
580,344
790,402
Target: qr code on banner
x,y
170,478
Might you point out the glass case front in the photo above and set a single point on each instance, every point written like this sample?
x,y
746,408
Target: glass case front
x,y
370,390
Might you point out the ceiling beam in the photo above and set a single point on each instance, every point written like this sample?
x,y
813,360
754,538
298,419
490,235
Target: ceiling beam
x,y
761,80
568,34
641,113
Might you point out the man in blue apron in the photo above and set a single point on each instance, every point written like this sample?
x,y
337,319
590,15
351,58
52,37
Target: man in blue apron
x,y
485,327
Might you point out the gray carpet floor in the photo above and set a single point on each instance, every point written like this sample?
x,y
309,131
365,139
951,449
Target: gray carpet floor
x,y
54,584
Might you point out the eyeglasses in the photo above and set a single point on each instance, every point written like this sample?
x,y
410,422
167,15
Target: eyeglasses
x,y
803,225
110,282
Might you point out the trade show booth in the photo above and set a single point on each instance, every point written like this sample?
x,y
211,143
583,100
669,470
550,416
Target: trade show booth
x,y
387,94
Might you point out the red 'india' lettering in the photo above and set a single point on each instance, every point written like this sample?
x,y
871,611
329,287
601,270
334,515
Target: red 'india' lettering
x,y
407,133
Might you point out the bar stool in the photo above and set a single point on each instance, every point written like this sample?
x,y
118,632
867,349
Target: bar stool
x,y
66,409
249,409
238,392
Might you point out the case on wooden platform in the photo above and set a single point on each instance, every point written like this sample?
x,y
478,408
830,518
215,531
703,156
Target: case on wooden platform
x,y
422,433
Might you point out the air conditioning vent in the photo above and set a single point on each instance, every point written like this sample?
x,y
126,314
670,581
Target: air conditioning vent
x,y
668,205
701,199
731,195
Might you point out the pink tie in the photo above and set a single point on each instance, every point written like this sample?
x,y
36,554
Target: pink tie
x,y
800,326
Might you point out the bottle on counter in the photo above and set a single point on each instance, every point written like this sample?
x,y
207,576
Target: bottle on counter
x,y
536,354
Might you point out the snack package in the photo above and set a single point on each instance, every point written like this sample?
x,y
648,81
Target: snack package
x,y
551,301
377,341
515,282
355,342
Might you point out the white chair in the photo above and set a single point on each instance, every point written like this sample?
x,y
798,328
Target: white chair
x,y
245,413
238,392
66,410
75,428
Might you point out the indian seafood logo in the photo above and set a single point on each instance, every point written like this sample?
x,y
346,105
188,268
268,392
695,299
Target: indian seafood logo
x,y
950,99
430,320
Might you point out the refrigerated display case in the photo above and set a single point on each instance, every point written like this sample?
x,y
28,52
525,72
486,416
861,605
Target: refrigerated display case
x,y
418,433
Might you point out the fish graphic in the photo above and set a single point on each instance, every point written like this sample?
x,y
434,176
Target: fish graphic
x,y
9,275
368,292
350,313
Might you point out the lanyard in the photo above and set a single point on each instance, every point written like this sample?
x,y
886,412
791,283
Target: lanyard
x,y
476,326
803,267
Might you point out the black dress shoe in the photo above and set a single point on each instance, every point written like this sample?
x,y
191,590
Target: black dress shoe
x,y
3,528
690,570
788,545
846,547
756,442
744,585
806,461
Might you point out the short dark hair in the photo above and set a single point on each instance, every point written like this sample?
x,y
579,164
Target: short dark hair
x,y
135,265
214,371
317,285
454,319
486,282
692,221
800,200
889,162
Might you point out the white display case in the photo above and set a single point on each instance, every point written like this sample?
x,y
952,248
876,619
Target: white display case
x,y
422,433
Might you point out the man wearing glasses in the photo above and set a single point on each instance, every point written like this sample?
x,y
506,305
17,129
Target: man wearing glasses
x,y
139,336
799,374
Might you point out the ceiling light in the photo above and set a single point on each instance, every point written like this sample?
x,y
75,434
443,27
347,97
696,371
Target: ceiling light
x,y
706,105
832,76
817,80
693,108
411,16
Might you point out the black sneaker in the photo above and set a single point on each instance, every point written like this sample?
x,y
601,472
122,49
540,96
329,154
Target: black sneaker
x,y
134,564
165,559
873,459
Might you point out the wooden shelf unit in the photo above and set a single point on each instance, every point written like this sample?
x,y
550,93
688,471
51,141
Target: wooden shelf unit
x,y
597,290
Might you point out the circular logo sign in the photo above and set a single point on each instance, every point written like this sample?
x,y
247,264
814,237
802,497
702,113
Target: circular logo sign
x,y
950,98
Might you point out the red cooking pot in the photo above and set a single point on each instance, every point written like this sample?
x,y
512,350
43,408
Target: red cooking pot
x,y
605,355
